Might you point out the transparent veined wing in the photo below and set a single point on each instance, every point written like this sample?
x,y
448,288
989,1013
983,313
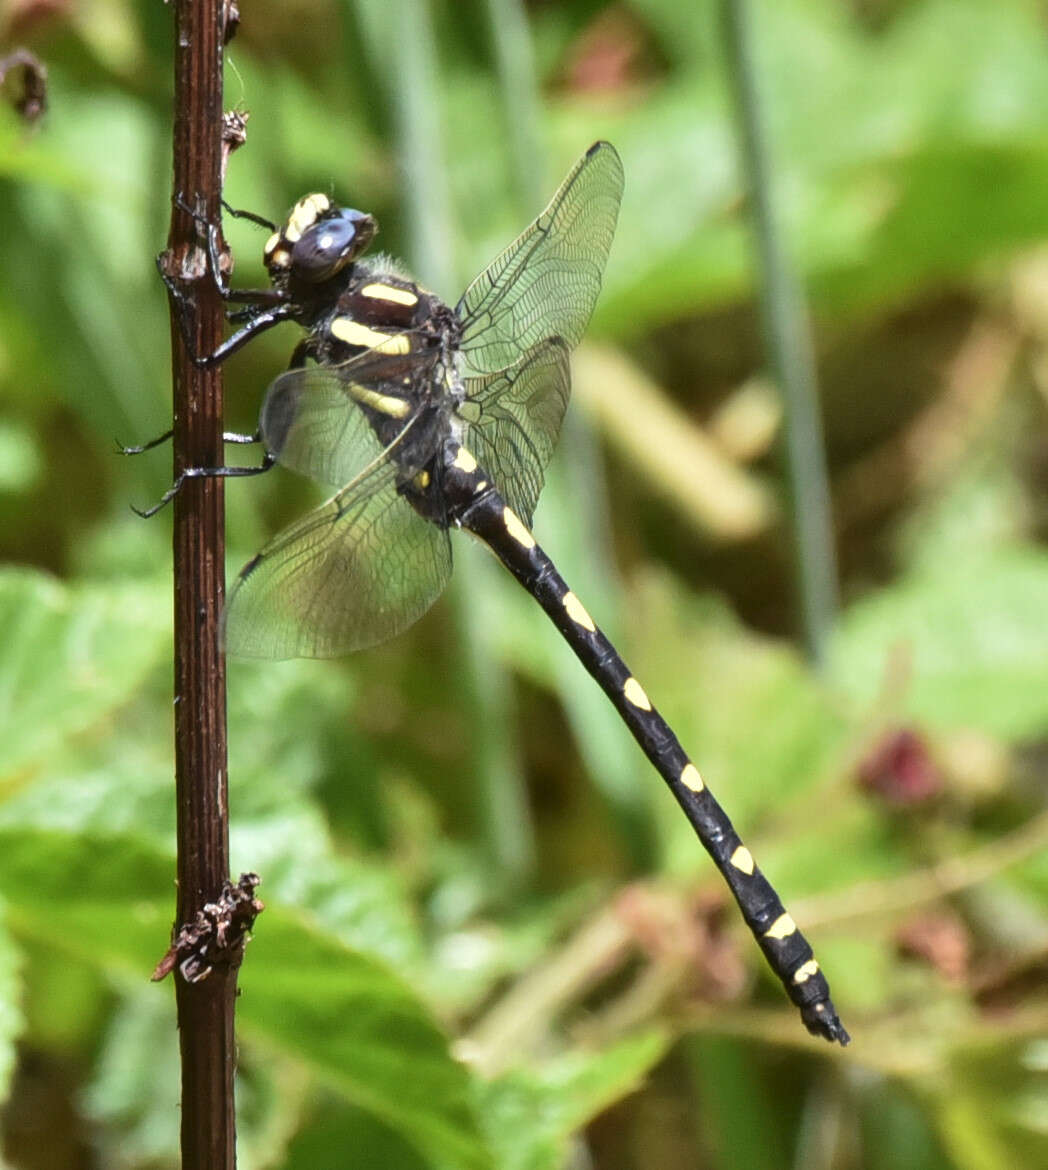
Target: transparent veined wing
x,y
546,282
312,421
514,419
354,572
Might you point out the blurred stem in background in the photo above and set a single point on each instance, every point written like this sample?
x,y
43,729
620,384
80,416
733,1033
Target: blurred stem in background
x,y
788,338
506,819
575,491
515,63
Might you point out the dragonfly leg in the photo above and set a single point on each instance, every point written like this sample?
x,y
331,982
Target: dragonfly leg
x,y
259,318
250,216
268,461
227,437
266,306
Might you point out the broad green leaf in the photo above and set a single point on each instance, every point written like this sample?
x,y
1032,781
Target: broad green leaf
x,y
70,656
105,899
965,645
530,1115
362,1032
338,1135
10,1004
338,1012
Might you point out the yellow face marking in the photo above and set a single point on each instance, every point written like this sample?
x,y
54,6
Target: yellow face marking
x,y
690,778
805,971
383,403
464,461
517,528
281,258
353,333
742,859
271,243
782,927
634,693
577,611
387,292
304,215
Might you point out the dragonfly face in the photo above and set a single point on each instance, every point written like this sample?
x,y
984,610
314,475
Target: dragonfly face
x,y
316,241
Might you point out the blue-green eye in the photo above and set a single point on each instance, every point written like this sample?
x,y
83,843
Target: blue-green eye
x,y
331,244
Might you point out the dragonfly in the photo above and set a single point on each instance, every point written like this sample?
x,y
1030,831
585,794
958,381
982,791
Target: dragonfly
x,y
421,418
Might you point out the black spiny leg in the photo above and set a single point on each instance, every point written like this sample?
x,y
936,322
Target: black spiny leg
x,y
265,308
269,306
204,473
227,437
478,507
199,472
250,216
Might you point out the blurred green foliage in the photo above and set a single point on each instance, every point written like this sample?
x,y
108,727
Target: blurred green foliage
x,y
491,939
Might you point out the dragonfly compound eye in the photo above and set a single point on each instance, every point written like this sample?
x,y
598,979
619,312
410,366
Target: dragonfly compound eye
x,y
331,244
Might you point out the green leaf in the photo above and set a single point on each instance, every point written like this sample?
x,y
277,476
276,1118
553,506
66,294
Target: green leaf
x,y
115,915
69,656
336,1128
342,1014
531,1115
362,1031
10,1005
965,645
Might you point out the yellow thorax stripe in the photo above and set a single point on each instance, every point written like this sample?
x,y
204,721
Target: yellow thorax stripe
x,y
353,333
389,292
383,403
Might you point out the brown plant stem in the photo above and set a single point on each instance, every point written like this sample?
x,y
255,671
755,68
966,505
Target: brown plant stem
x,y
205,1009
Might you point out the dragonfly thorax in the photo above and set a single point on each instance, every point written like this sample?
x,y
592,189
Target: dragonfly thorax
x,y
388,314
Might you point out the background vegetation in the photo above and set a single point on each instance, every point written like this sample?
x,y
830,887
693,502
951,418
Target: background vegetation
x,y
462,852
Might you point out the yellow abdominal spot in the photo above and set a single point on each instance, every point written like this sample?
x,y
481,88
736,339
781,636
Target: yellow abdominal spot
x,y
577,611
464,461
517,528
690,778
634,692
805,971
782,927
742,859
387,292
353,333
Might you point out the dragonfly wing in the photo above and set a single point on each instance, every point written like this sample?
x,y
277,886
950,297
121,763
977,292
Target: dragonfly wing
x,y
354,572
312,419
514,419
546,282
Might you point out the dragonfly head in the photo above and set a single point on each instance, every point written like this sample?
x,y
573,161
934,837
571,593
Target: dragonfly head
x,y
317,240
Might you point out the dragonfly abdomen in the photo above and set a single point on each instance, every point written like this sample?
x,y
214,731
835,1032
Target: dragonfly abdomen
x,y
476,505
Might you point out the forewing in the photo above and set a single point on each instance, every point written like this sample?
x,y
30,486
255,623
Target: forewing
x,y
514,419
352,573
311,420
546,282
